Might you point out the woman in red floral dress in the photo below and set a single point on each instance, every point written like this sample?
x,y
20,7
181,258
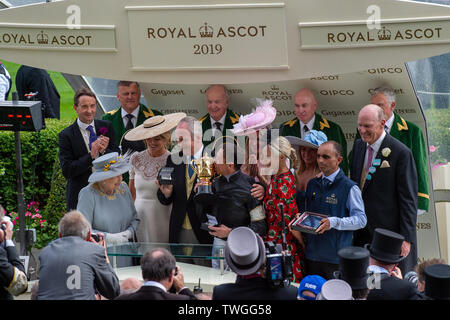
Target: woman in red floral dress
x,y
282,191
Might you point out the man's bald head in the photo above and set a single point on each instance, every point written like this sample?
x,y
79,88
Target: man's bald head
x,y
371,121
305,105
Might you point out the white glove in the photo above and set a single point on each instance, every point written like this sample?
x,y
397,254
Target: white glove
x,y
116,238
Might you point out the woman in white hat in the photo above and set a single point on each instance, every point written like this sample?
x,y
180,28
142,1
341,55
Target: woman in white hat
x,y
107,204
154,217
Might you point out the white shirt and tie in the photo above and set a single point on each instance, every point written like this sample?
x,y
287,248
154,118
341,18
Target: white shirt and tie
x,y
85,131
306,127
218,125
375,147
135,114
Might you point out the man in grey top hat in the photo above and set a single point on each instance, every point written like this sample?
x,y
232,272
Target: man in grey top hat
x,y
245,255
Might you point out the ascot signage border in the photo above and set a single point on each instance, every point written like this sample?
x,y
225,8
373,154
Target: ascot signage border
x,y
57,37
393,32
208,37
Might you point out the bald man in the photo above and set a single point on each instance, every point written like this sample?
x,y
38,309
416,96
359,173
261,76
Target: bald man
x,y
307,119
219,117
410,135
384,169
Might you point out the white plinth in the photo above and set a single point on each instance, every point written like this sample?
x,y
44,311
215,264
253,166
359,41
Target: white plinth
x,y
209,277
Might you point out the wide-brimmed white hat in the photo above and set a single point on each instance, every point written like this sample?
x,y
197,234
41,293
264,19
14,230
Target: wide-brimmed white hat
x,y
108,166
154,126
263,116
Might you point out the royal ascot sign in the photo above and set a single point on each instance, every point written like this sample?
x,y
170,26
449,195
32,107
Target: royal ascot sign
x,y
57,37
208,37
331,35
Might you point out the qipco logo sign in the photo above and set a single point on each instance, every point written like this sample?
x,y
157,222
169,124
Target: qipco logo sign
x,y
336,92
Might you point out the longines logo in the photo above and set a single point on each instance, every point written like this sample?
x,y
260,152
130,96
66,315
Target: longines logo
x,y
274,93
229,91
206,31
165,93
384,35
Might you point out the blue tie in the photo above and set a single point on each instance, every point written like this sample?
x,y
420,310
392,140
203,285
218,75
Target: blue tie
x,y
325,183
92,135
190,170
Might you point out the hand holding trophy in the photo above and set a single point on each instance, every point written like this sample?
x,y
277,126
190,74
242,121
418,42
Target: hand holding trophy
x,y
204,168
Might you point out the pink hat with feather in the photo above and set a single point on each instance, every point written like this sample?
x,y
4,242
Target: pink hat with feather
x,y
263,116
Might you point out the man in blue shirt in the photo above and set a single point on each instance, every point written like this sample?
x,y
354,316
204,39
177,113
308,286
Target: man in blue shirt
x,y
340,199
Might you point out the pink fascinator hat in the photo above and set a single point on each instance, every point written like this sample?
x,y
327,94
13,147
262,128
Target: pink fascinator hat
x,y
263,116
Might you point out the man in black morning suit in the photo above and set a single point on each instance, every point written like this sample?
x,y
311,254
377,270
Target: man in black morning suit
x,y
81,143
387,176
184,225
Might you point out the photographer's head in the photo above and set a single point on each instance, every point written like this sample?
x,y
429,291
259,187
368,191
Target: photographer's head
x,y
74,224
245,251
159,265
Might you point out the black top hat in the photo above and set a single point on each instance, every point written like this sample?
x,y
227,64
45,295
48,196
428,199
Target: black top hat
x,y
353,264
437,281
386,246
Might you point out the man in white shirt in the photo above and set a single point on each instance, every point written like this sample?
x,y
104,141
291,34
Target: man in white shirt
x,y
81,143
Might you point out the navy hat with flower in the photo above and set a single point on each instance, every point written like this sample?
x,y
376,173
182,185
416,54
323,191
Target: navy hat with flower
x,y
108,166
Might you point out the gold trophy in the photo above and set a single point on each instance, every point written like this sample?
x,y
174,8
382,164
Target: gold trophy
x,y
204,168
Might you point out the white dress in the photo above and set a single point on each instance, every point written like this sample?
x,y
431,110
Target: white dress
x,y
154,217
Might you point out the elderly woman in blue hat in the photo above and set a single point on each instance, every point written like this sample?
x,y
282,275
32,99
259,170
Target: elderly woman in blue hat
x,y
307,159
107,203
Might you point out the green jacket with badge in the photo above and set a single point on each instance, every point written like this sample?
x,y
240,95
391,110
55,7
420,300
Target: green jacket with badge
x,y
332,130
231,118
115,117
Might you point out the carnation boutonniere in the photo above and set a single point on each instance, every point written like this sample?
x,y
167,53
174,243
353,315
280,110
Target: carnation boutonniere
x,y
103,131
386,152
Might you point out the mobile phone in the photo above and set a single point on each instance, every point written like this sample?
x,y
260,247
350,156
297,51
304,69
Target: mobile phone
x,y
95,237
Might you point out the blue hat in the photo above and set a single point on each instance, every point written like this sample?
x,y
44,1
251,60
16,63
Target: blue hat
x,y
109,165
313,139
310,283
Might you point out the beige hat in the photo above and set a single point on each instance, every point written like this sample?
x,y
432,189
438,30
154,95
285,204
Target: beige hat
x,y
154,126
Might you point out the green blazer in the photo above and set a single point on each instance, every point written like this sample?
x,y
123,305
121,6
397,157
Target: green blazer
x,y
115,117
332,130
410,135
230,119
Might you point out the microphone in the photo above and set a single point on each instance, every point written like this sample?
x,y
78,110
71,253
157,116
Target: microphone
x,y
412,277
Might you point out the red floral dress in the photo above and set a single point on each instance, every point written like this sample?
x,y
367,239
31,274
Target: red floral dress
x,y
282,190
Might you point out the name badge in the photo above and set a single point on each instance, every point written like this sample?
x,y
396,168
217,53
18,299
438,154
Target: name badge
x,y
332,199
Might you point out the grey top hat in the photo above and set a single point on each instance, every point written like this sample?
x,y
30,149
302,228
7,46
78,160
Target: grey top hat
x,y
244,251
108,166
335,289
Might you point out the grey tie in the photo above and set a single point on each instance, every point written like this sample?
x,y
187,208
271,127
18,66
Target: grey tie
x,y
129,123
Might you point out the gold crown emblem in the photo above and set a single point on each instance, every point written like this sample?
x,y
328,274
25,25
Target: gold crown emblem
x,y
384,34
206,31
42,38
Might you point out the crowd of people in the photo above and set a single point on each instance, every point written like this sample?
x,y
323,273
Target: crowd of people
x,y
262,180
